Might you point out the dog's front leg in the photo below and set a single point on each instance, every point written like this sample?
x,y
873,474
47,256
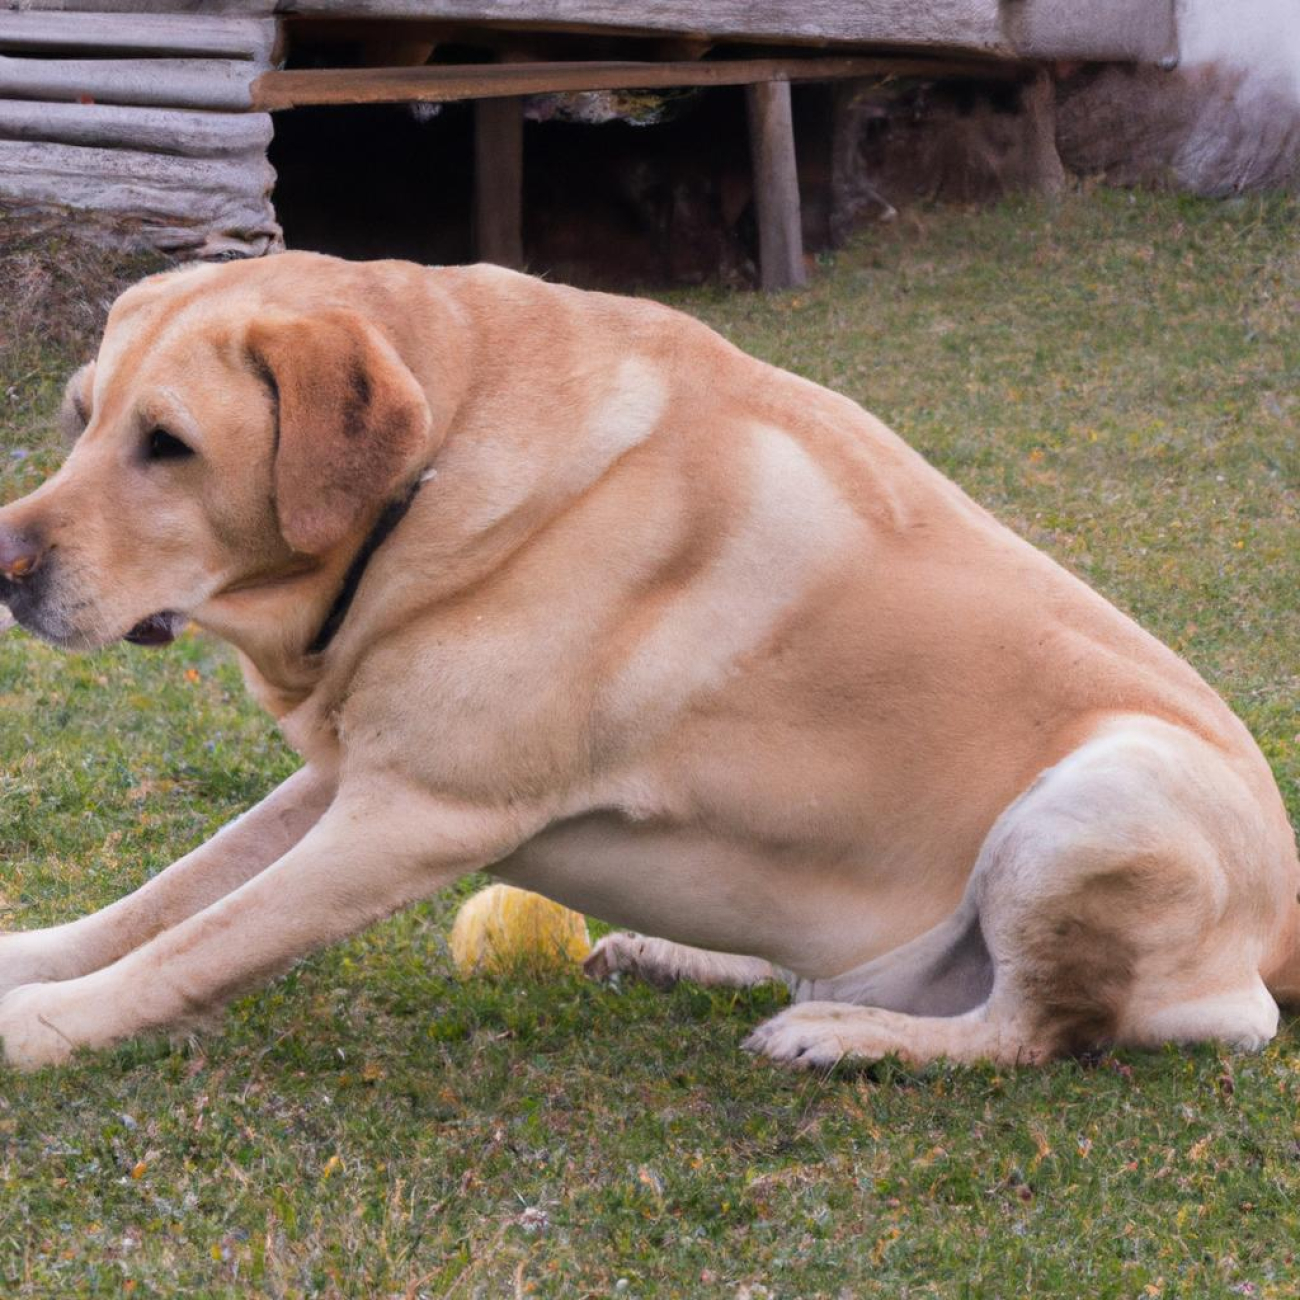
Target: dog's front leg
x,y
238,851
374,851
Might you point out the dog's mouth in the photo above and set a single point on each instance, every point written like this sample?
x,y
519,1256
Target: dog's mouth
x,y
158,629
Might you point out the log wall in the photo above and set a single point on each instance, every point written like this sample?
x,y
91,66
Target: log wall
x,y
145,117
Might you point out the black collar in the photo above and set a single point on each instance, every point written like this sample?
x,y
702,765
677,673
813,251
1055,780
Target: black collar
x,y
392,515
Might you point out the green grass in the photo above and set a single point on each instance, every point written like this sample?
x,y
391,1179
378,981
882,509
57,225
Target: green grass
x,y
1119,378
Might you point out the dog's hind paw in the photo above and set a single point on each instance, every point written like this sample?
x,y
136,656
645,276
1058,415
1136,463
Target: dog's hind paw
x,y
821,1034
631,954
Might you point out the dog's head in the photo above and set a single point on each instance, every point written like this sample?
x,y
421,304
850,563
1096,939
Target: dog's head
x,y
240,422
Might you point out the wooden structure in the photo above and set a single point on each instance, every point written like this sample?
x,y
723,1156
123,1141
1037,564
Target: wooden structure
x,y
158,111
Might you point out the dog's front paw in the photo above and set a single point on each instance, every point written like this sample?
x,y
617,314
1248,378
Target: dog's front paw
x,y
631,954
812,1035
29,1029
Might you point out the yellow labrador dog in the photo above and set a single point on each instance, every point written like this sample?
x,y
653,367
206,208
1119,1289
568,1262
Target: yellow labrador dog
x,y
564,585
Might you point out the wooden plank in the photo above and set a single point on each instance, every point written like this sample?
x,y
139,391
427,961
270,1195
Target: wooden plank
x,y
273,91
776,186
970,25
171,34
171,83
499,180
157,130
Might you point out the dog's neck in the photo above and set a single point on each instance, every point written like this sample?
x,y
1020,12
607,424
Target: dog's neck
x,y
391,515
283,623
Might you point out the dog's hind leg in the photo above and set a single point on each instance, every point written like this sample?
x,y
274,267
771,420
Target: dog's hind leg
x,y
943,972
1127,897
661,963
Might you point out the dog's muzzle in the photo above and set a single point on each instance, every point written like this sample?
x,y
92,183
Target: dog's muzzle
x,y
24,578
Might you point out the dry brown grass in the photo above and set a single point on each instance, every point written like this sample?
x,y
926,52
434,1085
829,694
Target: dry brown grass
x,y
56,292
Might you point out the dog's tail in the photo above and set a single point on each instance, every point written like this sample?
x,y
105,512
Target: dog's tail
x,y
943,972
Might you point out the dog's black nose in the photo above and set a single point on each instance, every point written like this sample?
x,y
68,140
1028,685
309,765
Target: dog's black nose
x,y
20,556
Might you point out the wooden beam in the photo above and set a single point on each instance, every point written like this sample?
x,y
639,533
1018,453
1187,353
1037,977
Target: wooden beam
x,y
776,186
157,130
171,34
273,91
169,83
499,181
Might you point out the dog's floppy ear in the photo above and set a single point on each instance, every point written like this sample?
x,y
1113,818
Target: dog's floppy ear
x,y
353,422
74,411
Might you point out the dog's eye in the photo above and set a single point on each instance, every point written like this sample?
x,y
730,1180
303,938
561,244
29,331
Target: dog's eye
x,y
161,445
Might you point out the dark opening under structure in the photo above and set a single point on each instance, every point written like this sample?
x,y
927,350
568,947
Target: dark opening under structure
x,y
158,117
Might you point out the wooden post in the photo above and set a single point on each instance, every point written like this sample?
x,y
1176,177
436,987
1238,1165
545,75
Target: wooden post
x,y
499,180
1046,174
776,185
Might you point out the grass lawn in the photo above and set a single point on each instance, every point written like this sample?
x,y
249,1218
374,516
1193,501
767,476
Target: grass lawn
x,y
1118,378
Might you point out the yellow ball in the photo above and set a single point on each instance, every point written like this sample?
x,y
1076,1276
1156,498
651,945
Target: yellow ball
x,y
502,929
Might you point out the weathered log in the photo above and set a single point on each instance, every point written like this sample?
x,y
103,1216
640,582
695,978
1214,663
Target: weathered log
x,y
144,220
172,83
159,130
243,8
776,186
169,34
250,175
203,207
220,210
273,91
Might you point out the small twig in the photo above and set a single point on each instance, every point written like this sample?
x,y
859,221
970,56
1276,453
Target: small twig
x,y
49,1024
